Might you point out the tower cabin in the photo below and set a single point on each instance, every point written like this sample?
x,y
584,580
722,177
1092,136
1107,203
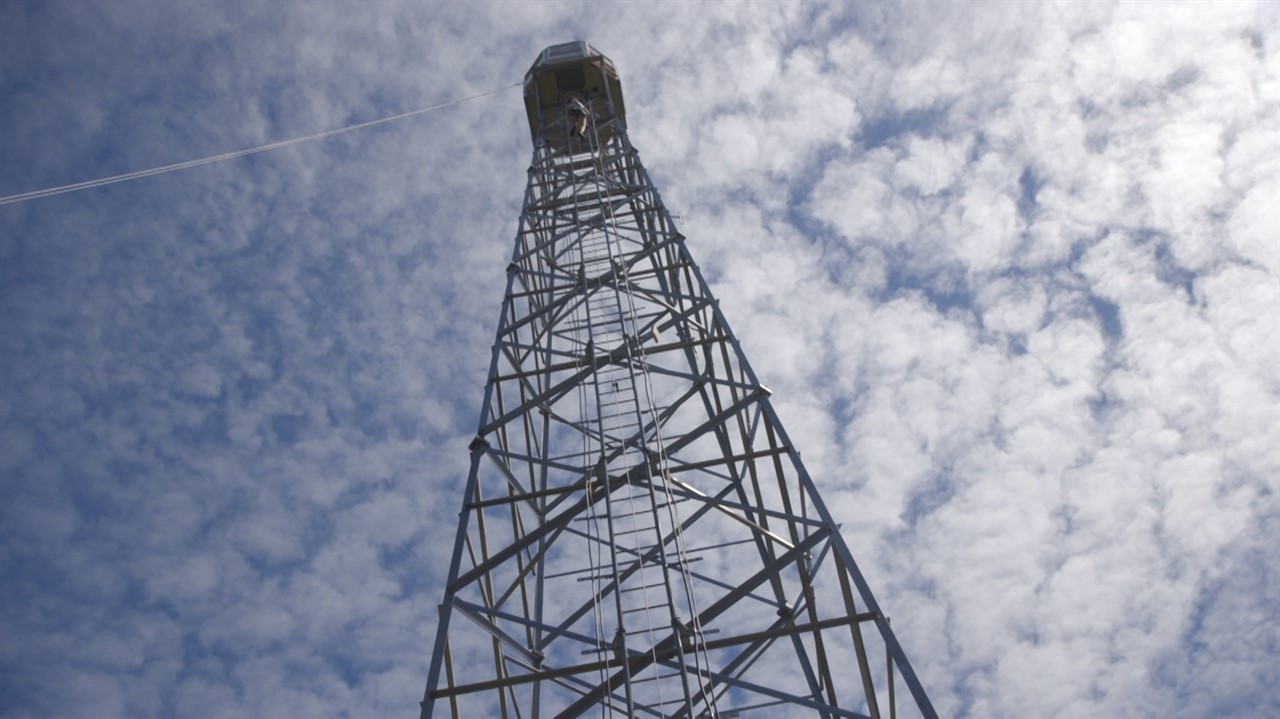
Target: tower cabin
x,y
563,74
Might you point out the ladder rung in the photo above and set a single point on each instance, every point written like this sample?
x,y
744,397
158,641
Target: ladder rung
x,y
678,565
627,427
596,577
646,631
618,398
640,588
646,608
655,677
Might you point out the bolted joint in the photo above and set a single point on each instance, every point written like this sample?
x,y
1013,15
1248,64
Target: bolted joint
x,y
478,443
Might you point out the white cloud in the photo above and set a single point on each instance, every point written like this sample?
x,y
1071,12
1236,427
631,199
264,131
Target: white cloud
x,y
1011,273
932,164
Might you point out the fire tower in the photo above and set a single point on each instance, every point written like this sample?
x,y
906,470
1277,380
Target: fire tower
x,y
638,536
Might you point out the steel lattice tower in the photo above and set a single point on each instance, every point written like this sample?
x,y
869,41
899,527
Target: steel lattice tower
x,y
638,536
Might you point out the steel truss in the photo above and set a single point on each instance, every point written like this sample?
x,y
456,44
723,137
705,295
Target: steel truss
x,y
638,536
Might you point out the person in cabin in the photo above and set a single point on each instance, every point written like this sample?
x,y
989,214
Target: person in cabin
x,y
577,118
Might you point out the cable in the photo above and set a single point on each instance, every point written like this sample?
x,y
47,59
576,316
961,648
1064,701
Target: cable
x,y
37,194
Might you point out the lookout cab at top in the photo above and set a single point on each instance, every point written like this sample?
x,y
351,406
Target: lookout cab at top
x,y
572,90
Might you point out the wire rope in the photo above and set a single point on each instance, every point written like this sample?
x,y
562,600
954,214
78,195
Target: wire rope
x,y
595,552
700,656
613,252
62,189
614,428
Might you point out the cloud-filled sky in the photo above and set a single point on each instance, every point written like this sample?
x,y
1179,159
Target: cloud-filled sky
x,y
1012,271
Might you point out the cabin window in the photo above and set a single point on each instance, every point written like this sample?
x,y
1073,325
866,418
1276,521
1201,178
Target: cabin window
x,y
571,79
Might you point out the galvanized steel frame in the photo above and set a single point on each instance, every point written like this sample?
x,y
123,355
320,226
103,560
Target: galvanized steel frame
x,y
617,390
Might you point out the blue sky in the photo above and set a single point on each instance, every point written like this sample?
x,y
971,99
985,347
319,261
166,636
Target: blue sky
x,y
1011,270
